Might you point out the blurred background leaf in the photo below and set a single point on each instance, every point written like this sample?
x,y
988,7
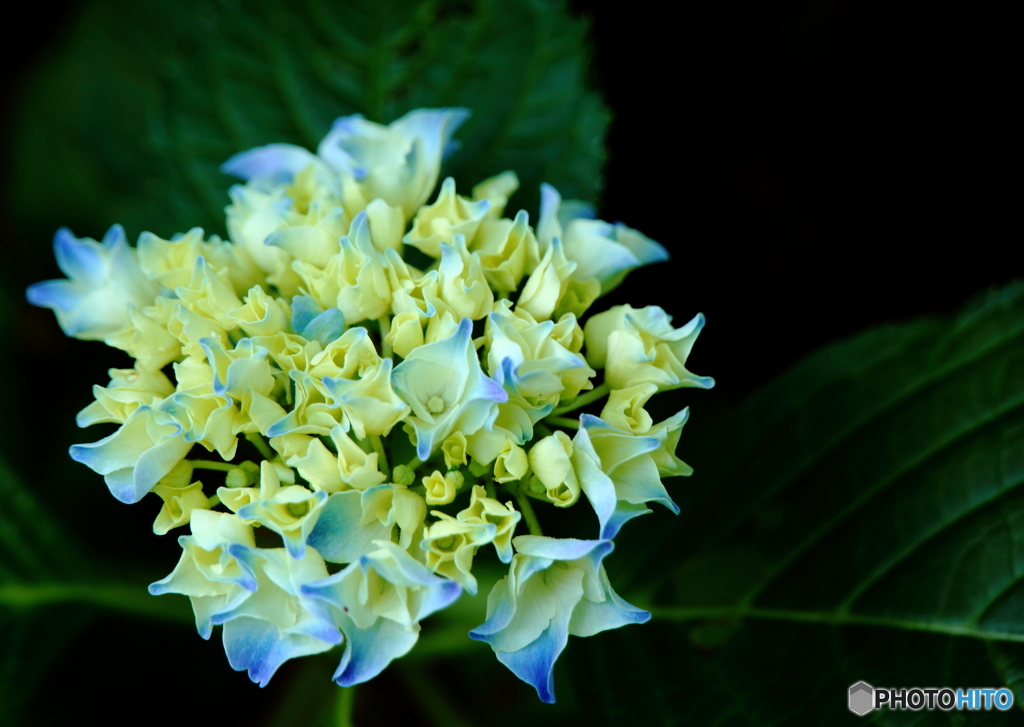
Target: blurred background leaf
x,y
48,592
131,120
32,553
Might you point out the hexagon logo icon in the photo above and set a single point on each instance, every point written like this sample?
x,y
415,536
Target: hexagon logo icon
x,y
862,698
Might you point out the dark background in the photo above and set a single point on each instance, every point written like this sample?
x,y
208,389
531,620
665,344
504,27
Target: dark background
x,y
815,168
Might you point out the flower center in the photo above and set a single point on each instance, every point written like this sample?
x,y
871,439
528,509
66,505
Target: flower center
x,y
435,405
446,544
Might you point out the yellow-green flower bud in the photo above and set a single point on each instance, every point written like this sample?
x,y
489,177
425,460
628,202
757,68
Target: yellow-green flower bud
x,y
440,488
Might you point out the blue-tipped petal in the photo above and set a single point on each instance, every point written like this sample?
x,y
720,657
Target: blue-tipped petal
x,y
326,327
332,148
560,548
623,513
56,294
115,236
326,589
535,664
121,484
254,645
491,389
304,310
591,618
647,251
359,232
130,472
575,209
504,610
338,535
79,259
433,127
280,162
369,651
550,200
424,444
439,597
596,485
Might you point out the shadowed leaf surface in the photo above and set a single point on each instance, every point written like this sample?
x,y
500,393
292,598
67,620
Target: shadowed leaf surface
x,y
858,519
130,122
33,554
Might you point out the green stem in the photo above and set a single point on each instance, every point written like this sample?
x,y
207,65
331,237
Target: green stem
x,y
382,457
385,328
683,614
205,464
527,509
343,707
538,498
260,444
414,463
131,599
584,399
564,422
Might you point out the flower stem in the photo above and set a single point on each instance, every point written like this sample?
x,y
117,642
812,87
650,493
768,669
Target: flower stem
x,y
382,457
260,444
205,464
534,496
527,509
129,598
564,422
583,399
343,707
385,328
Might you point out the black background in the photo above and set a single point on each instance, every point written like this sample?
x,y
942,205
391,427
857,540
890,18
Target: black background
x,y
814,167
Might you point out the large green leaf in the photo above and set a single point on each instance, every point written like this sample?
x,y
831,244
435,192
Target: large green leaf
x,y
859,518
131,120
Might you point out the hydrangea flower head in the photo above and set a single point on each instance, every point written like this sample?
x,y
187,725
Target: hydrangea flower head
x,y
383,428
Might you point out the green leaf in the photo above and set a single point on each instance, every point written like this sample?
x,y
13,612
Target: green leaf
x,y
861,518
32,552
48,592
131,120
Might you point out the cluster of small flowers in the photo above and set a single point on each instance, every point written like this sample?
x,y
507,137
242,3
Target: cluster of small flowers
x,y
282,345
